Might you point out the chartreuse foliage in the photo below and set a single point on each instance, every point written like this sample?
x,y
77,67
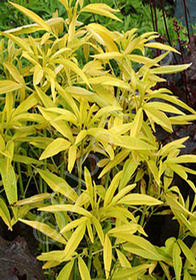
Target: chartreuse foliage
x,y
57,107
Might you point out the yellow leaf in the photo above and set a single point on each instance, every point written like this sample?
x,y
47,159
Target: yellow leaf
x,y
61,114
100,9
158,117
73,224
9,85
19,41
33,199
122,259
89,185
137,123
66,271
103,36
50,264
160,46
9,180
132,143
84,272
117,159
78,91
38,74
170,69
58,145
51,256
108,55
90,231
68,64
107,256
14,72
32,16
65,208
58,184
45,229
72,157
122,193
74,241
4,213
177,261
139,199
99,230
130,273
142,247
108,80
112,188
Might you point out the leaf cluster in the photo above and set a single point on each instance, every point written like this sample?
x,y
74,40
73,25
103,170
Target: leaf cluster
x,y
60,112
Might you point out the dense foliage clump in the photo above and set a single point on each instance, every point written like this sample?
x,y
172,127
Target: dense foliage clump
x,y
79,113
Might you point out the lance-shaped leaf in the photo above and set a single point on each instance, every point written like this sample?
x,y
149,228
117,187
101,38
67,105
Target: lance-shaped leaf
x,y
32,16
132,143
112,188
125,273
65,208
74,241
177,261
45,229
141,247
107,255
170,69
52,256
58,184
83,269
139,199
9,180
9,85
5,214
66,271
160,46
58,145
100,9
33,199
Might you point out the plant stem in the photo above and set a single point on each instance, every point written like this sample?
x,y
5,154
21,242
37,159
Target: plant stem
x,y
186,18
165,23
20,180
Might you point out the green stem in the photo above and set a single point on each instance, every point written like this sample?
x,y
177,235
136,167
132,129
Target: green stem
x,y
20,180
